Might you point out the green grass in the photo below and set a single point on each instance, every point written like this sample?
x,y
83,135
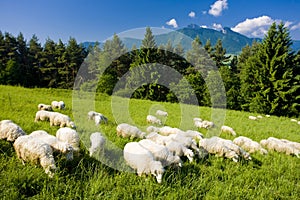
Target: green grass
x,y
274,176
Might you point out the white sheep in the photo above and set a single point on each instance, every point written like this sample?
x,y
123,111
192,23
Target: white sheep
x,y
252,117
127,130
179,149
186,141
42,115
58,104
292,143
97,117
215,146
276,144
259,117
142,160
57,145
204,124
59,119
192,134
268,116
294,120
97,143
161,113
249,145
165,130
161,153
197,119
157,138
10,131
153,120
152,129
70,136
239,150
30,149
227,129
46,107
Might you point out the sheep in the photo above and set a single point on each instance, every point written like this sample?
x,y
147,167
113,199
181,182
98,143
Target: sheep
x,y
186,141
268,116
58,104
97,142
293,144
159,139
252,118
276,144
179,149
249,145
55,143
294,120
197,119
153,120
10,131
127,130
240,151
165,130
59,119
259,117
30,149
161,113
141,160
69,135
192,134
161,153
42,115
152,129
227,129
46,107
97,117
215,146
204,124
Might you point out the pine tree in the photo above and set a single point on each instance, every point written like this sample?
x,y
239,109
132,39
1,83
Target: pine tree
x,y
219,54
149,40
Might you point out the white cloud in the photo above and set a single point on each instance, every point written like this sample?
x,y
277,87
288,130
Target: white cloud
x,y
192,14
255,27
172,22
217,8
295,27
204,26
217,27
204,12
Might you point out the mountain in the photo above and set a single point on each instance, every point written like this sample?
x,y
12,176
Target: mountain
x,y
232,41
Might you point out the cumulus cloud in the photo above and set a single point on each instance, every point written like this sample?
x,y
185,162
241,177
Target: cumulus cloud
x,y
295,27
255,27
172,22
192,14
217,27
217,8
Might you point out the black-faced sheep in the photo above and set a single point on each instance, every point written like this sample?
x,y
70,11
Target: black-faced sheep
x,y
46,107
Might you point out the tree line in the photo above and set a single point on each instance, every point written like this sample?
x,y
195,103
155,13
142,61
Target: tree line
x,y
263,78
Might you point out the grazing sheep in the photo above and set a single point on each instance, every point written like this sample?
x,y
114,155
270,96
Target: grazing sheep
x,y
197,119
153,120
276,144
165,130
161,113
97,117
186,141
59,119
46,107
42,115
227,129
192,134
268,116
161,153
294,120
10,131
204,124
57,145
157,138
293,144
259,117
58,104
215,146
70,136
252,118
30,149
240,151
249,145
97,142
152,129
142,160
179,149
126,130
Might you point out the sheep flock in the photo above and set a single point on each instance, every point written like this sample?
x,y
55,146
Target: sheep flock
x,y
148,152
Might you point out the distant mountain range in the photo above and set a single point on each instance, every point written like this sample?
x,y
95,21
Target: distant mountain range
x,y
232,41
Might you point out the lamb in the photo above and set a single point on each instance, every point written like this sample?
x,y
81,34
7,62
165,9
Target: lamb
x,y
249,145
58,104
127,130
59,119
252,118
153,120
227,129
141,160
214,146
55,143
280,146
70,136
42,115
179,149
97,142
161,113
161,153
97,117
30,149
46,107
10,131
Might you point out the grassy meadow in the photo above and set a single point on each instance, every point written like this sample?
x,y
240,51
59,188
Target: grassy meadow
x,y
273,176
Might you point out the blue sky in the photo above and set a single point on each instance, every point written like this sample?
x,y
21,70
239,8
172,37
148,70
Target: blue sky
x,y
97,20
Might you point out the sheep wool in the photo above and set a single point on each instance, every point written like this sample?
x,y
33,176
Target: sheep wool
x,y
249,145
29,149
227,129
97,142
127,130
153,120
58,119
179,149
161,113
58,104
42,115
69,136
141,160
10,131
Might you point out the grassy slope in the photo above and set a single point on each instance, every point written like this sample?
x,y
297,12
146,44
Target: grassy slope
x,y
266,177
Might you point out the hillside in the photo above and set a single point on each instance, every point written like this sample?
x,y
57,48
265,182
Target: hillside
x,y
273,176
